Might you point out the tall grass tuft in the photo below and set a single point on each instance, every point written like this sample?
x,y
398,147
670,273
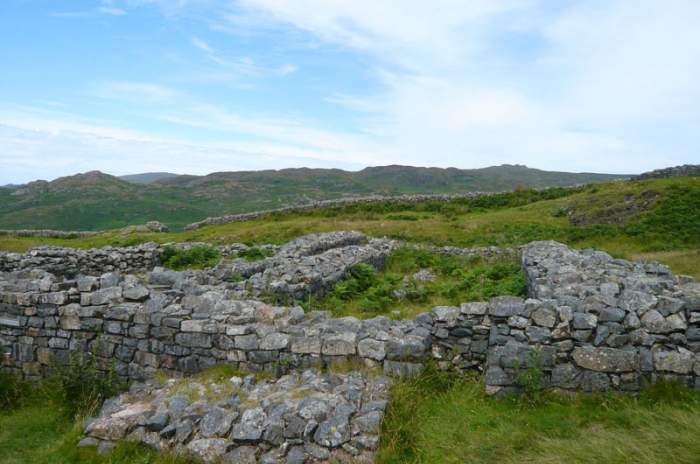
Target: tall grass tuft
x,y
197,257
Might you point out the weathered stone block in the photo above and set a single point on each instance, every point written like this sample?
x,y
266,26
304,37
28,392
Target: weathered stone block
x,y
606,359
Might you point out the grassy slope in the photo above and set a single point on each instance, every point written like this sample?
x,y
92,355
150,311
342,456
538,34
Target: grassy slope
x,y
95,201
670,232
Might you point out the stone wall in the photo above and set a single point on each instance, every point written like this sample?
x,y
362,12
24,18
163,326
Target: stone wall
x,y
408,199
47,233
592,322
70,262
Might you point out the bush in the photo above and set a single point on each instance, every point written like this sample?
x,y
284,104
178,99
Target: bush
x,y
253,254
367,292
197,257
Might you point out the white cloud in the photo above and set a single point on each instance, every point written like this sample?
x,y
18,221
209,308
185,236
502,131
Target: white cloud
x,y
287,69
201,44
39,143
112,11
139,92
585,85
594,85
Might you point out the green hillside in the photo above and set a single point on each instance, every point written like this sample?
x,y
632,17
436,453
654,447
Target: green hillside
x,y
653,219
97,201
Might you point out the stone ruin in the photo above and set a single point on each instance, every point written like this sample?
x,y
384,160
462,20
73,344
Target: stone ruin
x,y
591,323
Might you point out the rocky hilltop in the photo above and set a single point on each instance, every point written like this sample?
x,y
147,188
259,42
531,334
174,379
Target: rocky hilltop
x,y
590,323
675,171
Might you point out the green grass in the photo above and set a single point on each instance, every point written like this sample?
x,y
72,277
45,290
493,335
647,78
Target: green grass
x,y
253,254
41,434
41,421
367,292
442,418
197,257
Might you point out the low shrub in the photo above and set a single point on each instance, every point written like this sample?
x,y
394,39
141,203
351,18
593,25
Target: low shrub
x,y
253,254
366,292
197,257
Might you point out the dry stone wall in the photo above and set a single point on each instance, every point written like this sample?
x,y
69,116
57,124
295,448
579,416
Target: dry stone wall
x,y
408,199
70,262
591,323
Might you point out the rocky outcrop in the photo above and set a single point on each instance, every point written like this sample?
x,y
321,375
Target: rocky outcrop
x,y
676,171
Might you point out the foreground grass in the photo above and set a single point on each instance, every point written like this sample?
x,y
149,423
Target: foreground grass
x,y
41,422
43,434
395,291
438,418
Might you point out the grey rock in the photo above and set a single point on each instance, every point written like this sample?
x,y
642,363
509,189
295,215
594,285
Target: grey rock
x,y
372,349
506,306
679,362
544,317
333,432
250,427
585,321
216,423
606,359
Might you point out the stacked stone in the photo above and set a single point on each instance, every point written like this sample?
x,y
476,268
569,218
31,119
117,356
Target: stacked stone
x,y
298,418
311,265
597,323
592,322
169,322
71,262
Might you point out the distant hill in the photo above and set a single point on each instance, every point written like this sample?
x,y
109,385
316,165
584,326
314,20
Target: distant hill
x,y
147,177
96,201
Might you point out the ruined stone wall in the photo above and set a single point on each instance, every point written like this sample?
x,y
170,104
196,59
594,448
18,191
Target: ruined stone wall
x,y
591,323
71,262
597,323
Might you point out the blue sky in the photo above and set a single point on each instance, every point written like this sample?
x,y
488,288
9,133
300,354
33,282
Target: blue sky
x,y
197,86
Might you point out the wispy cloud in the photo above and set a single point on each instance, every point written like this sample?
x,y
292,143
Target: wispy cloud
x,y
73,143
201,44
112,11
518,80
287,69
140,92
